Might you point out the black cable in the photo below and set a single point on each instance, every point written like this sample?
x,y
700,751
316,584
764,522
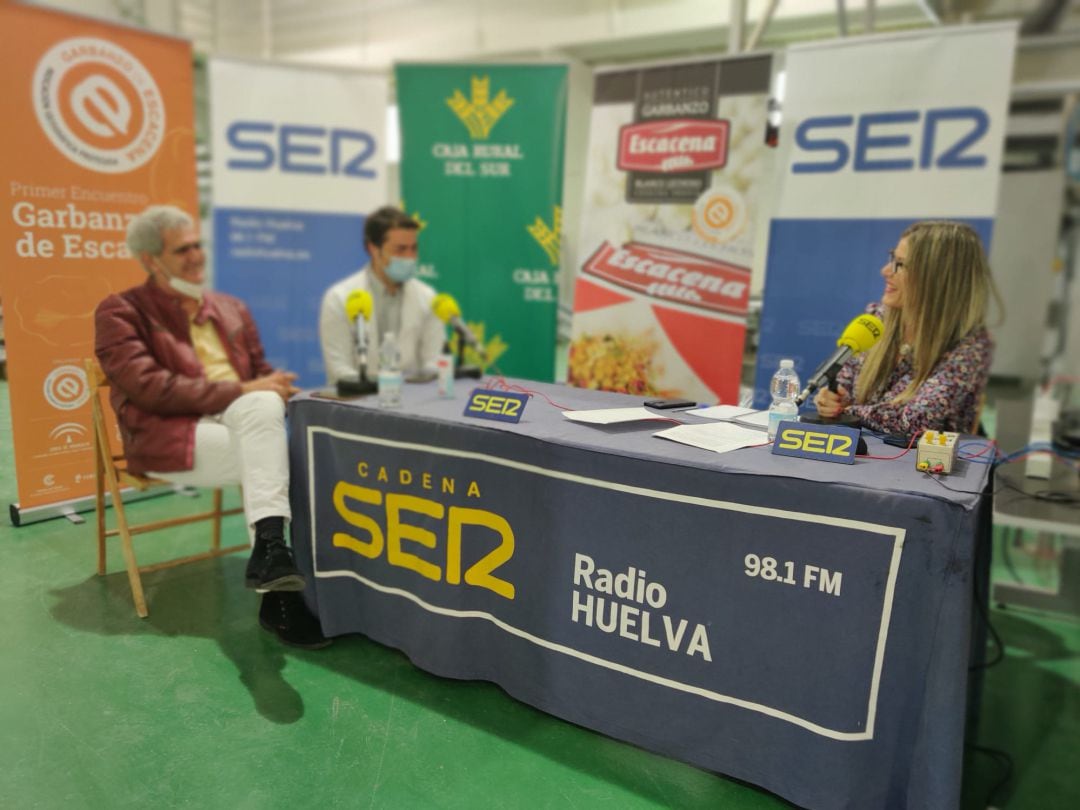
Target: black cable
x,y
999,652
1001,758
1006,483
1049,495
933,477
1057,496
981,603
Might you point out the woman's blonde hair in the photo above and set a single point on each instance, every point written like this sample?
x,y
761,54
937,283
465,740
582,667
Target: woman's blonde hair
x,y
947,288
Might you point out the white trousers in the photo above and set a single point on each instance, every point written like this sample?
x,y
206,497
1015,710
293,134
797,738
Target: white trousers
x,y
245,444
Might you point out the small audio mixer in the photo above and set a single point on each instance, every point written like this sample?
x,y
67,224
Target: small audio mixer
x,y
936,452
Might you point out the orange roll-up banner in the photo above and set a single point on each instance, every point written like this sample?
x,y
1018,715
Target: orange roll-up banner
x,y
98,124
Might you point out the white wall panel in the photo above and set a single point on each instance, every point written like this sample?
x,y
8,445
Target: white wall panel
x,y
1022,261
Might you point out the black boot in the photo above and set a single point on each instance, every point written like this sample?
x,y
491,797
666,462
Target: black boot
x,y
287,616
271,566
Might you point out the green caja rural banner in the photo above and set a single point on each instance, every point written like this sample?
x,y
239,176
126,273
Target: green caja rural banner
x,y
481,169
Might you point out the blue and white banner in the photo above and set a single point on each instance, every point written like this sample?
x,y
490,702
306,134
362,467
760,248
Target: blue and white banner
x,y
877,133
298,163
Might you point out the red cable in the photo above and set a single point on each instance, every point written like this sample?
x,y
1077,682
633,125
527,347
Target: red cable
x,y
991,444
500,383
911,442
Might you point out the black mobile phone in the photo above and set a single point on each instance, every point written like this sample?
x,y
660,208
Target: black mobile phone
x,y
897,439
668,404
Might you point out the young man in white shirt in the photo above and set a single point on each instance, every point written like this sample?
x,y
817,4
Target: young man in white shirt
x,y
401,303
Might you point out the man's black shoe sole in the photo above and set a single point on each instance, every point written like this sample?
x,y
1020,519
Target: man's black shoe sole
x,y
289,582
303,645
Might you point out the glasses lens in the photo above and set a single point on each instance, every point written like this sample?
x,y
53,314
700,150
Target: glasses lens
x,y
894,265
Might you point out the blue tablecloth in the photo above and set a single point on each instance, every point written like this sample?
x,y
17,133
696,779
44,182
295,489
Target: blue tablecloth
x,y
799,625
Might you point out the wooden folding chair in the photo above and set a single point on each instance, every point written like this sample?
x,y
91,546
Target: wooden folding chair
x,y
111,471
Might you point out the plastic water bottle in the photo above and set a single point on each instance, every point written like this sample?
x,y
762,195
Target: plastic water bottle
x,y
784,388
444,366
390,376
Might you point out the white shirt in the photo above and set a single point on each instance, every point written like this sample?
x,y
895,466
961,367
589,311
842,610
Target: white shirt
x,y
420,338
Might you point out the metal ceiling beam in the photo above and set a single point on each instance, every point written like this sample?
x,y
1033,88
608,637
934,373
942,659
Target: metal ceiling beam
x,y
762,24
736,25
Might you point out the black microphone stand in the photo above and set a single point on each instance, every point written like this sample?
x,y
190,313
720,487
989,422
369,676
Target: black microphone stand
x,y
462,371
361,386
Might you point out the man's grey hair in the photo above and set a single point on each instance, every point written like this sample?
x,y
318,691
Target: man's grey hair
x,y
144,232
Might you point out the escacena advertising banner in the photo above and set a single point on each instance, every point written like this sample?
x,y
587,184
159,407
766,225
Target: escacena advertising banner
x,y
671,199
98,125
298,163
877,133
481,169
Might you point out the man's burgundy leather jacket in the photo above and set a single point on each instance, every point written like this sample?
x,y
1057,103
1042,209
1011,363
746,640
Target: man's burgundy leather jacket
x,y
159,390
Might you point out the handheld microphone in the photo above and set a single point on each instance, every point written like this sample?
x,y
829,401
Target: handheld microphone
x,y
358,310
859,335
358,306
446,309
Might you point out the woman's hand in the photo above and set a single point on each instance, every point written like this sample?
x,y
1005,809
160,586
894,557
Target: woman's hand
x,y
829,404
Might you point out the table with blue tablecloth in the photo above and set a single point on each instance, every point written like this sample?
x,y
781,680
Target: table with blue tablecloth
x,y
803,626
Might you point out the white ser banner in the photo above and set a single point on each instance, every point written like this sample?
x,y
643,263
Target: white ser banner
x,y
897,125
299,160
877,133
289,137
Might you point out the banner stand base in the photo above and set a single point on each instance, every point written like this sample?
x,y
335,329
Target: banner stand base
x,y
71,508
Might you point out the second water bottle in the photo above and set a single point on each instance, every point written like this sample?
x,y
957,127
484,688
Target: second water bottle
x,y
390,376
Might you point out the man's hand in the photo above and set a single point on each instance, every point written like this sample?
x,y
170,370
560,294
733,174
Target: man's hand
x,y
280,382
829,403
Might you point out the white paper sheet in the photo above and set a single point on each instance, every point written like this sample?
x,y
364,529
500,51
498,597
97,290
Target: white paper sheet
x,y
723,412
732,413
611,416
719,437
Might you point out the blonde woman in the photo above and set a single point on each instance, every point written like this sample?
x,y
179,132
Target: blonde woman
x,y
929,370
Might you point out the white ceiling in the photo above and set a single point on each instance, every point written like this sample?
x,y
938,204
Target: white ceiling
x,y
376,33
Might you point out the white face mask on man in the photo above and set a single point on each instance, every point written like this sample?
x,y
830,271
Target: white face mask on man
x,y
182,286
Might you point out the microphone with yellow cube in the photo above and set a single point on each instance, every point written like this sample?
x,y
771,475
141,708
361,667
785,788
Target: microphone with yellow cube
x,y
358,307
446,309
859,335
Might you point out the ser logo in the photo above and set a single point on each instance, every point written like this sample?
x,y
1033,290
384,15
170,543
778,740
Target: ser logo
x,y
98,105
818,442
940,138
300,149
502,406
406,521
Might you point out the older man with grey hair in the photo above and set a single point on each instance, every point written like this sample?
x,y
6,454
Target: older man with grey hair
x,y
198,404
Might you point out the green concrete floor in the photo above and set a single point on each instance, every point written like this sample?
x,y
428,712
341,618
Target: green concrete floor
x,y
197,707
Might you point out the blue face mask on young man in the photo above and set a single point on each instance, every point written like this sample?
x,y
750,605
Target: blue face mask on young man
x,y
399,270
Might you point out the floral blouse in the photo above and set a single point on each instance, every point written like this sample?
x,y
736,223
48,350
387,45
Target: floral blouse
x,y
948,399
